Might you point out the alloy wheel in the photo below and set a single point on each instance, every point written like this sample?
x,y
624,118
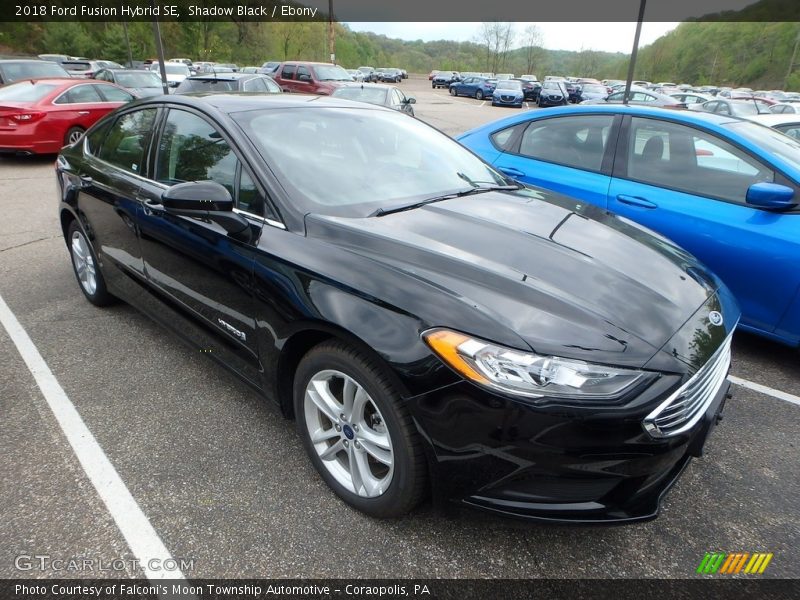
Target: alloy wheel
x,y
348,433
84,263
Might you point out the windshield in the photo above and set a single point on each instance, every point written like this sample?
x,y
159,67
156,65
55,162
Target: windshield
x,y
595,89
747,108
323,156
768,139
25,91
331,73
138,80
508,84
552,85
171,68
369,94
31,70
207,85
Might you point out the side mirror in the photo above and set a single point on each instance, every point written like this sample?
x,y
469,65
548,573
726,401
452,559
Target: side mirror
x,y
771,195
304,77
411,100
207,200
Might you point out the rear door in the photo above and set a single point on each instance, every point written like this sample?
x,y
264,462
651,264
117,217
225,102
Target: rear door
x,y
286,78
203,274
568,154
690,185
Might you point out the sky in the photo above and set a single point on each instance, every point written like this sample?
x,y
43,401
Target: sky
x,y
610,37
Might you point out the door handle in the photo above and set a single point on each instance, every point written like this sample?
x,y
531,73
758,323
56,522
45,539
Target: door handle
x,y
151,206
512,171
636,201
86,181
83,112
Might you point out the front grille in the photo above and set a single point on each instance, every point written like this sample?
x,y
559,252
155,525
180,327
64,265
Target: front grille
x,y
683,409
506,98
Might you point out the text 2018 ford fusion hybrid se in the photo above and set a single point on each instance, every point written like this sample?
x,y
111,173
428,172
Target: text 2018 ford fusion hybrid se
x,y
432,327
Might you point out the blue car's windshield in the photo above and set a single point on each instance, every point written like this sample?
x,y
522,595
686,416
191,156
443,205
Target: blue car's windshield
x,y
770,140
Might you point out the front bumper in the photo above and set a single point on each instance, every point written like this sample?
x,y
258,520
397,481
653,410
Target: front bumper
x,y
556,464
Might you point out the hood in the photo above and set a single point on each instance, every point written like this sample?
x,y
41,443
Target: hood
x,y
566,278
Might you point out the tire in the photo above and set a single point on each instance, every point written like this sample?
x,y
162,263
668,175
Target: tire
x,y
479,95
86,267
73,135
453,91
384,488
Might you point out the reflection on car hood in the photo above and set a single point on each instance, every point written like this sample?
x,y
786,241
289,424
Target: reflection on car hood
x,y
567,278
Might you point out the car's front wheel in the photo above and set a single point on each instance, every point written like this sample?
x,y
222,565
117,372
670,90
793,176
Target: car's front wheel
x,y
453,91
357,432
86,268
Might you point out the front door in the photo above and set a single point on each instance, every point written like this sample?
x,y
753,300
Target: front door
x,y
204,274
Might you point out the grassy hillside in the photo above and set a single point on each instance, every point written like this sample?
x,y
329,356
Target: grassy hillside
x,y
734,53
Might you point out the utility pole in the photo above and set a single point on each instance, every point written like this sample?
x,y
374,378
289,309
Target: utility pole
x,y
160,50
634,52
331,33
128,44
791,61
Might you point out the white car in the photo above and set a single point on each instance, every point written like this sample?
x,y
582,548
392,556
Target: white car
x,y
788,124
176,72
356,74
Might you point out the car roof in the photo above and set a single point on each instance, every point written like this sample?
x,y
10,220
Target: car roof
x,y
358,84
224,76
686,116
239,102
773,119
25,60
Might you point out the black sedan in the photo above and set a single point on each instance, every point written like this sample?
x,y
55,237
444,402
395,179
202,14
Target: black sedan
x,y
389,96
441,329
229,82
443,79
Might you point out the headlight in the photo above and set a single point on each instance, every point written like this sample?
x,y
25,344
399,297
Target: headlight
x,y
528,374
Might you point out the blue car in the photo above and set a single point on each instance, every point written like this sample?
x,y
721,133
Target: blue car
x,y
726,189
477,87
508,93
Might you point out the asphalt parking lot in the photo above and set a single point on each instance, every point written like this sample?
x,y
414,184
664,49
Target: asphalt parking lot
x,y
223,479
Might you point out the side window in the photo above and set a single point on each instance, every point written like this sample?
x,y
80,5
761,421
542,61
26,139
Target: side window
x,y
126,142
103,76
79,94
723,108
616,97
271,86
790,130
255,85
112,93
397,98
684,158
287,72
303,73
573,141
249,198
502,139
190,149
94,138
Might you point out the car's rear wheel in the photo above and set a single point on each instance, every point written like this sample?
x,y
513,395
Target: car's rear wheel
x,y
73,135
479,95
356,431
86,268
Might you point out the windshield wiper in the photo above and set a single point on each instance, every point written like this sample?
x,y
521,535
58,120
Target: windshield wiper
x,y
475,190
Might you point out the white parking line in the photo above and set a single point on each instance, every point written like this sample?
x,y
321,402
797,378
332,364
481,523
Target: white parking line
x,y
762,389
131,521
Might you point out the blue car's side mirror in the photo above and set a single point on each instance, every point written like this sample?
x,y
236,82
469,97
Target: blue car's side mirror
x,y
771,195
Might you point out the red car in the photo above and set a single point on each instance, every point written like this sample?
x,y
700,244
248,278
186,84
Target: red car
x,y
41,116
310,77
